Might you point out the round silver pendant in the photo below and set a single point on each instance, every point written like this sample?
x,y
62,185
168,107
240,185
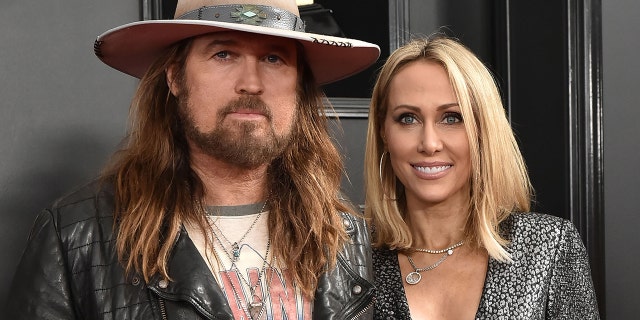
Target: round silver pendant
x,y
413,277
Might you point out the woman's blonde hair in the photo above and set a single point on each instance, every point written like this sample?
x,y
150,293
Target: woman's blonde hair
x,y
499,180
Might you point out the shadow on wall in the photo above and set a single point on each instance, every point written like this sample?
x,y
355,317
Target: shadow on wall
x,y
54,165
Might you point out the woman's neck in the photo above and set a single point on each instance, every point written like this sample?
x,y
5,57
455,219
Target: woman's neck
x,y
436,227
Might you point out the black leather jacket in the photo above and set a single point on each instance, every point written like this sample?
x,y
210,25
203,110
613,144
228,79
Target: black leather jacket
x,y
70,270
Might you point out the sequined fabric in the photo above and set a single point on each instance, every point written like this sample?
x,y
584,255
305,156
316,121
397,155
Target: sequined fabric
x,y
549,278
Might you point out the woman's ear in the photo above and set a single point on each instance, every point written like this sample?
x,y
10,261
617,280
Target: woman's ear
x,y
171,83
383,136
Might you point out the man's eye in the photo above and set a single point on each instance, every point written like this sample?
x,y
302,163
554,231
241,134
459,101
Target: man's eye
x,y
222,54
273,59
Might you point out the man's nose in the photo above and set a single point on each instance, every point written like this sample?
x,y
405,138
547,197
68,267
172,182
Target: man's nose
x,y
249,79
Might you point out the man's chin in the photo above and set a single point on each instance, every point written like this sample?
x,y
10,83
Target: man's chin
x,y
250,140
246,129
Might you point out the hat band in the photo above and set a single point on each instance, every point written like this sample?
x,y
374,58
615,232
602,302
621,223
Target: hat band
x,y
257,15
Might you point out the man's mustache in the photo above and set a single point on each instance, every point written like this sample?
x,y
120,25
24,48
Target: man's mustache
x,y
246,103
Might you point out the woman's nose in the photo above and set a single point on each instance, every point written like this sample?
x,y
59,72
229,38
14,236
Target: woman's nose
x,y
430,141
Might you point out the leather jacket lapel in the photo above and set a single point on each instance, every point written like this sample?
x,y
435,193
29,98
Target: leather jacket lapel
x,y
192,281
346,292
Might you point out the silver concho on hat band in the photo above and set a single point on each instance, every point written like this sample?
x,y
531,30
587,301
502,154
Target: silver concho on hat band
x,y
257,15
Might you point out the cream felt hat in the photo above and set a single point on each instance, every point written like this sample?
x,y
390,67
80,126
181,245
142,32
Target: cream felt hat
x,y
132,48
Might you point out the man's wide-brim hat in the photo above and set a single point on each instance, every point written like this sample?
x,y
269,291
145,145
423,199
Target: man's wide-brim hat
x,y
132,48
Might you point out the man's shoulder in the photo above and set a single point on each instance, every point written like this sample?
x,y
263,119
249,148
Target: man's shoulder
x,y
91,201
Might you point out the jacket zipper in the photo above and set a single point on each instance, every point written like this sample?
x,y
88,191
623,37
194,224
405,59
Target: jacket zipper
x,y
363,311
163,309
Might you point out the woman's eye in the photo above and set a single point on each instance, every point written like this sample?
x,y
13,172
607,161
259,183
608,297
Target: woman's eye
x,y
407,119
451,118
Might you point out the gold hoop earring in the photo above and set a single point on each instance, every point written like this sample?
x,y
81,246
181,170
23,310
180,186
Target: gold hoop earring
x,y
384,193
380,167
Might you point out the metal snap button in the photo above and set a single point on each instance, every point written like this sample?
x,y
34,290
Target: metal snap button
x,y
356,289
163,284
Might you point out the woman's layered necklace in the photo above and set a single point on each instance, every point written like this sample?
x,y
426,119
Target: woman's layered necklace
x,y
414,277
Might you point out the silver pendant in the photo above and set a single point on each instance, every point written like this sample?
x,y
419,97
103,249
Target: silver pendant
x,y
255,312
235,248
413,277
255,309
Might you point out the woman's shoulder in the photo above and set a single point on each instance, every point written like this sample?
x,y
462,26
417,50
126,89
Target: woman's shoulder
x,y
549,261
534,218
533,223
537,232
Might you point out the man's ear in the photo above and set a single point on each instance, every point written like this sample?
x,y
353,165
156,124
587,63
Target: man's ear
x,y
171,83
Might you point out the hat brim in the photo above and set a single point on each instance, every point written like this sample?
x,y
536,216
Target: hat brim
x,y
132,48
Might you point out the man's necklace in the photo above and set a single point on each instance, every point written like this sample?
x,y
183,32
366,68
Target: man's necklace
x,y
235,246
254,308
414,277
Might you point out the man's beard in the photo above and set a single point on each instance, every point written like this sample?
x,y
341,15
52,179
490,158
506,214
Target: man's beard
x,y
235,142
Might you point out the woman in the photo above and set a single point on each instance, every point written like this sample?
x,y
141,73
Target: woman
x,y
447,195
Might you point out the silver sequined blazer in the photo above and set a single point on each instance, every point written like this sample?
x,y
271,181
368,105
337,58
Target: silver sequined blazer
x,y
549,278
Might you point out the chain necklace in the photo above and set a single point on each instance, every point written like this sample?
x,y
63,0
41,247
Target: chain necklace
x,y
235,246
414,277
255,306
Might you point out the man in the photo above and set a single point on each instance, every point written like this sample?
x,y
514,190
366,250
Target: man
x,y
224,202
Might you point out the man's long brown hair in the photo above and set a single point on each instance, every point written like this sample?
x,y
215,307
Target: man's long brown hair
x,y
156,189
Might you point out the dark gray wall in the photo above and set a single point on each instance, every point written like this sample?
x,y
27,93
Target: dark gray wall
x,y
349,136
621,66
62,111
